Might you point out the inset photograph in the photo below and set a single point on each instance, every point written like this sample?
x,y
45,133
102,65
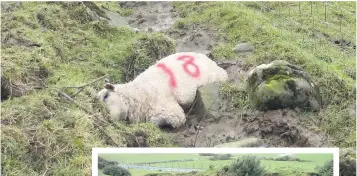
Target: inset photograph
x,y
214,162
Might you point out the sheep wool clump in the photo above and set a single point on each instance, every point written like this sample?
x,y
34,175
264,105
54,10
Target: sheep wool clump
x,y
158,94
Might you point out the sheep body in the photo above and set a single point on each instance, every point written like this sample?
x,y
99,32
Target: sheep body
x,y
157,94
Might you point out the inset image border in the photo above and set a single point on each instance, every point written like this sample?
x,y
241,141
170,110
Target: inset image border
x,y
97,151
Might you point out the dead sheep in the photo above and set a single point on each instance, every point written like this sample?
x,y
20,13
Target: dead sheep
x,y
158,94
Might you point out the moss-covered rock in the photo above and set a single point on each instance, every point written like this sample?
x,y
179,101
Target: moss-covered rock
x,y
280,84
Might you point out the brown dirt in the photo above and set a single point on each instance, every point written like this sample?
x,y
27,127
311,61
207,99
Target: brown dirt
x,y
194,38
278,128
151,16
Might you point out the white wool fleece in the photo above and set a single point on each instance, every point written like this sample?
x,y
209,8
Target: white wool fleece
x,y
186,85
156,94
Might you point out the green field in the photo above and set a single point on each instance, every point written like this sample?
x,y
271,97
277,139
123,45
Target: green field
x,y
203,162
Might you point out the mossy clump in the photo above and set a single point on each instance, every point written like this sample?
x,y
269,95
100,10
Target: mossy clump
x,y
148,49
347,161
115,170
326,169
282,85
245,165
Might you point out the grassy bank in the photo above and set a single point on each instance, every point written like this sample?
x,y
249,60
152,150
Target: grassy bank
x,y
47,46
42,132
297,39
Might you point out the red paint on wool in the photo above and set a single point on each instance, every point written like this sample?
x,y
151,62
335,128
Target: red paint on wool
x,y
169,73
190,62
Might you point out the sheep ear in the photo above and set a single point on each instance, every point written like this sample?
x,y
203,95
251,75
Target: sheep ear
x,y
109,86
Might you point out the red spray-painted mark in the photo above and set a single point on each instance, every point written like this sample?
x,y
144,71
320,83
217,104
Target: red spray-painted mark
x,y
185,65
169,73
189,62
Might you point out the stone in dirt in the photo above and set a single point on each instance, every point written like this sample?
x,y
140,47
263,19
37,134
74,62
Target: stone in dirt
x,y
209,94
248,142
280,84
243,48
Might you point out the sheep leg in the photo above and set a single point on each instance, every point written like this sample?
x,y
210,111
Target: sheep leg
x,y
169,115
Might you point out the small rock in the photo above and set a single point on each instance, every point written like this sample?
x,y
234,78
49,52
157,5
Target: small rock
x,y
230,136
209,93
128,4
197,127
245,114
243,48
191,131
131,21
150,29
92,14
182,34
230,117
138,17
142,20
226,63
285,111
249,142
136,30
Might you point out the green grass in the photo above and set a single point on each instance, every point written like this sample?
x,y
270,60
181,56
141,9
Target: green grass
x,y
137,172
46,131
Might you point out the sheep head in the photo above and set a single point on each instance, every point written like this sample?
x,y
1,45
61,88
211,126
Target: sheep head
x,y
114,102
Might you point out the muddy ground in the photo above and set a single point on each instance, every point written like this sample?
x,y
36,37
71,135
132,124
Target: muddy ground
x,y
278,128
